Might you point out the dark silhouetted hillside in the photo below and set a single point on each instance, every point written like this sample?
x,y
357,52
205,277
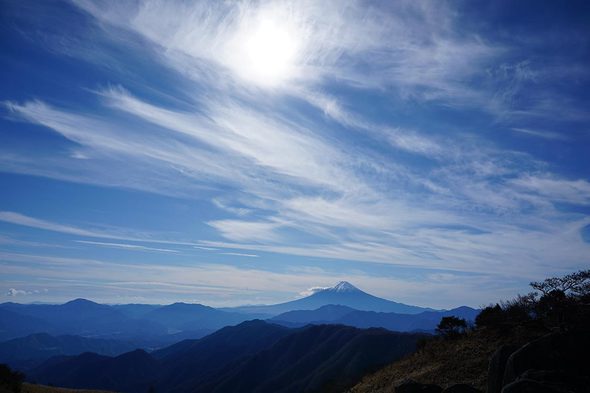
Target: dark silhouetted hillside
x,y
192,363
252,356
30,351
322,358
178,366
130,372
35,388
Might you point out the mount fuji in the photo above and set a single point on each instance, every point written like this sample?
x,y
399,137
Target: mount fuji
x,y
343,294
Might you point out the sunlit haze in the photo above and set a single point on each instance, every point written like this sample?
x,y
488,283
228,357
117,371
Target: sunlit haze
x,y
266,50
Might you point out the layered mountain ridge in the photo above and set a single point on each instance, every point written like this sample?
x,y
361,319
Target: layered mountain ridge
x,y
303,345
253,356
30,334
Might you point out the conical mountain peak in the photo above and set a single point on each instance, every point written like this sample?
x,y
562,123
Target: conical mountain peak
x,y
344,286
341,294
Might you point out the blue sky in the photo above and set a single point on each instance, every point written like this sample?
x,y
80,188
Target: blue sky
x,y
434,153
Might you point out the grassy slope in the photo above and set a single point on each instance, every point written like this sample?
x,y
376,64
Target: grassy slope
x,y
445,362
33,388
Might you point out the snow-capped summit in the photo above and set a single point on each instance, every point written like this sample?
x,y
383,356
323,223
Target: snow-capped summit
x,y
343,286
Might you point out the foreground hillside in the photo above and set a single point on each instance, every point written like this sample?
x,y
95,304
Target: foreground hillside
x,y
33,388
534,343
464,360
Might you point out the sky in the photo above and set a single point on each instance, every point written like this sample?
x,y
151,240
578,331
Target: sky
x,y
435,153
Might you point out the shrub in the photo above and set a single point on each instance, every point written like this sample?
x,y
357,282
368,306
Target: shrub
x,y
450,327
491,316
521,309
423,342
11,380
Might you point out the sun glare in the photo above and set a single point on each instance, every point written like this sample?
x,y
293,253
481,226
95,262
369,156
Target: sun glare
x,y
266,52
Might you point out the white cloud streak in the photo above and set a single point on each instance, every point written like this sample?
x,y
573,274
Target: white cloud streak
x,y
123,246
217,284
20,219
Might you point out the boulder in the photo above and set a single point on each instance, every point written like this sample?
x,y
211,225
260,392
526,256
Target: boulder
x,y
530,386
556,351
558,380
416,387
461,388
496,367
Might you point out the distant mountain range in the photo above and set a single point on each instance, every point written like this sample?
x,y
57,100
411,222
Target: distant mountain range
x,y
324,342
253,356
425,321
40,331
146,324
191,317
158,325
77,317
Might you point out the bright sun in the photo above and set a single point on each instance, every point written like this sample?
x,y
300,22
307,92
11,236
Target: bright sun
x,y
266,51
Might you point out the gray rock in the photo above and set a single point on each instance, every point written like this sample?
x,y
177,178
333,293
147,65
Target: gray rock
x,y
555,351
496,367
461,388
530,386
416,387
559,380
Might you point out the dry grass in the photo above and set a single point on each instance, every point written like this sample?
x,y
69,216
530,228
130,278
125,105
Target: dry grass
x,y
33,388
444,362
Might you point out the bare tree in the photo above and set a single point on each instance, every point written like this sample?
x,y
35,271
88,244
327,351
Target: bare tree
x,y
577,284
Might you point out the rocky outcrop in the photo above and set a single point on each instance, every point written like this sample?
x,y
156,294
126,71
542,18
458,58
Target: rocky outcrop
x,y
416,387
530,386
555,351
411,386
497,367
461,388
555,363
548,381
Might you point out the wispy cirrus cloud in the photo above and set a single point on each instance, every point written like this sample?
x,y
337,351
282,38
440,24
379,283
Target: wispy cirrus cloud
x,y
114,233
356,222
20,219
240,254
555,188
428,58
541,133
133,247
214,284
